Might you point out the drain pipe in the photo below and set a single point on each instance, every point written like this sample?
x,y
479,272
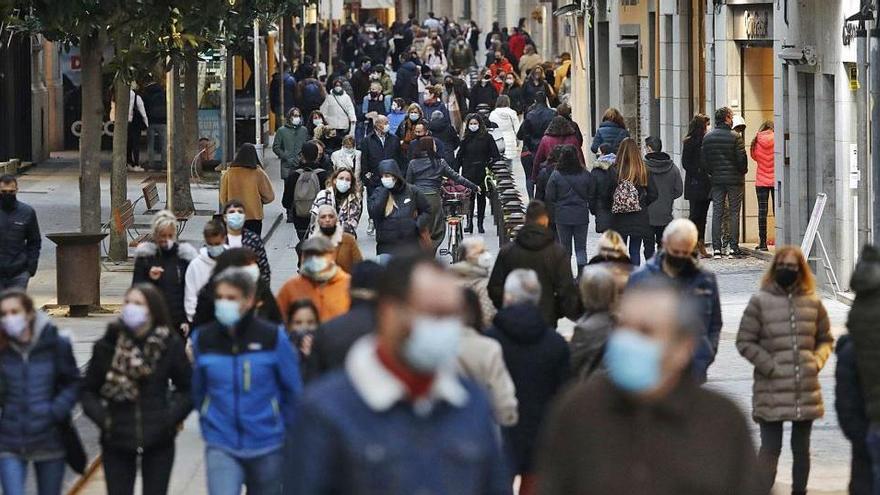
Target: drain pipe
x,y
875,136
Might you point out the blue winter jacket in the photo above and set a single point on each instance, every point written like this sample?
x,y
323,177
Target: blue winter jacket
x,y
700,287
611,133
245,385
40,385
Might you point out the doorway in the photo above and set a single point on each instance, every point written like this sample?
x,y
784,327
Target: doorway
x,y
756,108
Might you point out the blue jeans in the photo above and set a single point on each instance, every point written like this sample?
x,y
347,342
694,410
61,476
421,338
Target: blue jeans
x,y
227,473
19,281
873,444
156,132
13,473
635,249
578,234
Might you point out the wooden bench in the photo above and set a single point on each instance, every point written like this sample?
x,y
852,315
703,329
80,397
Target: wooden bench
x,y
123,220
151,199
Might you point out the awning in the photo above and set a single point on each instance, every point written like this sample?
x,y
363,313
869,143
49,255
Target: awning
x,y
377,4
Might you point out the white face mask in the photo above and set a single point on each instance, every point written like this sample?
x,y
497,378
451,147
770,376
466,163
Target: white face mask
x,y
296,121
343,185
15,325
432,343
134,316
474,127
388,182
317,122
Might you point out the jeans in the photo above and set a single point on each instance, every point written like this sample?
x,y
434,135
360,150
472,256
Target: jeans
x,y
766,197
19,281
698,215
655,242
733,194
120,469
13,473
155,131
771,447
227,473
578,234
873,443
635,248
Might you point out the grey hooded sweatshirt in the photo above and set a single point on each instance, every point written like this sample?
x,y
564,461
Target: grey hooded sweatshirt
x,y
667,178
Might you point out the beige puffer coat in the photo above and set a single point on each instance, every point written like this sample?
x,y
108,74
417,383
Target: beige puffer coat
x,y
787,337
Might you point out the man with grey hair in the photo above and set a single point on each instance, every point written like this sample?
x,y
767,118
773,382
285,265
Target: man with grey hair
x,y
650,428
678,262
538,361
379,145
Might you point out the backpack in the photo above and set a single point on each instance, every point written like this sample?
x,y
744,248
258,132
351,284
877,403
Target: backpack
x,y
305,191
625,198
312,95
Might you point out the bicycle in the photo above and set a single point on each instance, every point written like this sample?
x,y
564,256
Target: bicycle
x,y
453,204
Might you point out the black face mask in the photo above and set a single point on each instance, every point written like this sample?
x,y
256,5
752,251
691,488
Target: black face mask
x,y
679,263
328,231
785,277
7,201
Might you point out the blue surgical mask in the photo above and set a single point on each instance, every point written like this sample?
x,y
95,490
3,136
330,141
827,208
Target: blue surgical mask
x,y
235,221
414,116
227,312
214,251
343,185
314,265
633,361
432,343
388,182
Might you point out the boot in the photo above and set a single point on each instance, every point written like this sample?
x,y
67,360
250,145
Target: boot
x,y
480,228
701,249
469,229
762,245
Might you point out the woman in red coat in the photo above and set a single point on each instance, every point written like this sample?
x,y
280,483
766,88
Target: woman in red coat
x,y
762,152
560,131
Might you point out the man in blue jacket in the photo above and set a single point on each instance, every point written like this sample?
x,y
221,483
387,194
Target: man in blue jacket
x,y
676,261
398,420
246,383
20,242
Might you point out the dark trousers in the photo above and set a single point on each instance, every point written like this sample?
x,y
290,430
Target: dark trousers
x,y
635,248
873,443
655,242
698,215
19,281
527,162
121,466
478,177
766,200
771,447
733,194
301,224
133,149
255,226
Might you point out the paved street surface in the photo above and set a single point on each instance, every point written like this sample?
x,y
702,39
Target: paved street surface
x,y
51,189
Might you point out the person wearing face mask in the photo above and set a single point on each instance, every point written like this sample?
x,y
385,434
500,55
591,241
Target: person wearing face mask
x,y
534,84
400,212
373,104
677,261
288,144
246,384
473,273
513,90
461,56
20,251
347,157
265,306
478,151
538,360
651,428
379,145
163,262
483,92
246,181
41,386
406,132
198,273
455,97
785,333
302,323
402,379
234,215
128,393
343,196
339,112
345,245
319,279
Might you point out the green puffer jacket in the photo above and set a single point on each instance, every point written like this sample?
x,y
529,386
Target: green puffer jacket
x,y
862,325
289,141
787,337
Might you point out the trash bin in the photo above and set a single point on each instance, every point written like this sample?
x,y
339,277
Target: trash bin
x,y
78,273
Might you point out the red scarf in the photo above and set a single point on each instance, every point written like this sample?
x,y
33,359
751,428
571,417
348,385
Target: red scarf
x,y
417,384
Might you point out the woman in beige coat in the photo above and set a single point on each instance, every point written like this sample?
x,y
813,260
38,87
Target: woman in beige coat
x,y
785,333
246,181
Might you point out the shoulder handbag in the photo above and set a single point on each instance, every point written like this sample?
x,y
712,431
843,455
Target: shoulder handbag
x,y
336,99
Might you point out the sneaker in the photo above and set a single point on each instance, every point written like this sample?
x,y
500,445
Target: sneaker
x,y
761,247
371,229
135,168
737,253
717,255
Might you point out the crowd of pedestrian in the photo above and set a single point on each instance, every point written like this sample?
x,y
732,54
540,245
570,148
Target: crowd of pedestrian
x,y
401,375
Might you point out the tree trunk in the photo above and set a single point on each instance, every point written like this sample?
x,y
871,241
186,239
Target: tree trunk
x,y
91,48
191,108
185,116
119,172
179,194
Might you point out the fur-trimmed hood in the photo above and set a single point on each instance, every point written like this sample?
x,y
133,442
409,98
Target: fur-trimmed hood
x,y
184,250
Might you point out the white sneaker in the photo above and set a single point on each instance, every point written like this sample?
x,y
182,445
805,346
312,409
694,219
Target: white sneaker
x,y
371,229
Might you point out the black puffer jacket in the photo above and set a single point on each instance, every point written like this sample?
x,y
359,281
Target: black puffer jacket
x,y
861,322
175,262
21,241
481,93
478,150
538,361
153,419
534,125
407,85
411,212
724,156
697,183
534,248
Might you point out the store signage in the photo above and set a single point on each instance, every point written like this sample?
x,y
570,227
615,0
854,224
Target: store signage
x,y
752,22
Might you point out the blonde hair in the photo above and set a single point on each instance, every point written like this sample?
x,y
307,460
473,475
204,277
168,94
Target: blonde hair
x,y
806,282
630,165
611,244
162,220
